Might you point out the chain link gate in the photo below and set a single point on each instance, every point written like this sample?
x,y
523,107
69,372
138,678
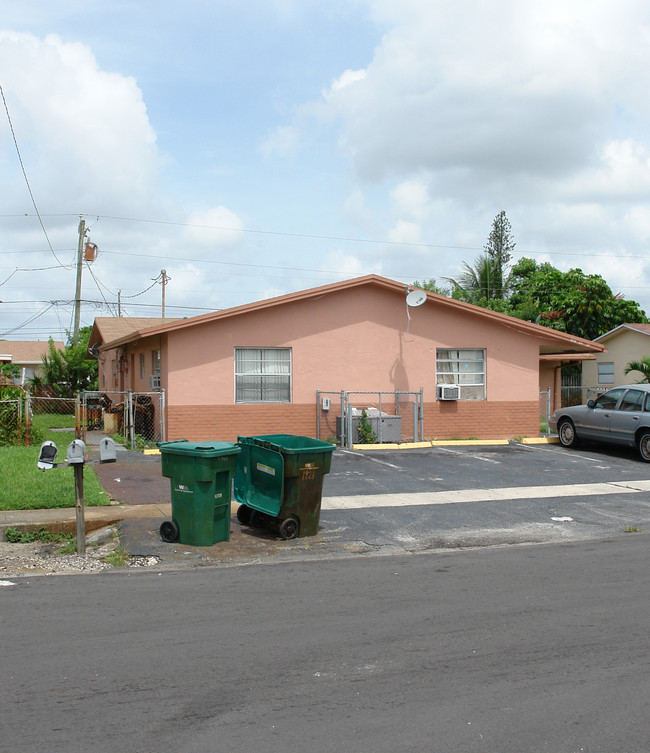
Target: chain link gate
x,y
138,418
393,417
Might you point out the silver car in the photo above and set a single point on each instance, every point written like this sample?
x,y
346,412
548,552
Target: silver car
x,y
620,416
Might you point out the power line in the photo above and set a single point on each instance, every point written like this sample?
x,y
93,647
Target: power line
x,y
29,188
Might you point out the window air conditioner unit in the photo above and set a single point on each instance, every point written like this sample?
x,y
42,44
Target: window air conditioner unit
x,y
450,392
154,381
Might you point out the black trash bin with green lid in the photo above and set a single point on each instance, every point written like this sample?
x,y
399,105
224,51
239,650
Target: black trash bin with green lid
x,y
279,482
201,479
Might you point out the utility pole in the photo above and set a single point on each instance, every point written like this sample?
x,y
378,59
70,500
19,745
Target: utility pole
x,y
77,296
163,275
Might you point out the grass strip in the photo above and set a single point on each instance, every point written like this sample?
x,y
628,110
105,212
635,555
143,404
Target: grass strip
x,y
24,487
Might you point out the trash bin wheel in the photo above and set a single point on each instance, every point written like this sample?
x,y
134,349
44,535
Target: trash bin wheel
x,y
289,528
169,531
244,514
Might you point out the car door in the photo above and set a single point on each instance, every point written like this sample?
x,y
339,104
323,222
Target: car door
x,y
626,417
596,422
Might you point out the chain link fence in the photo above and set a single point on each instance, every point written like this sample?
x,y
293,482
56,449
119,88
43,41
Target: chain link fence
x,y
134,419
369,417
137,419
11,422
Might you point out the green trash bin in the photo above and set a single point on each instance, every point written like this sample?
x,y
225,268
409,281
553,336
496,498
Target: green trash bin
x,y
201,478
279,482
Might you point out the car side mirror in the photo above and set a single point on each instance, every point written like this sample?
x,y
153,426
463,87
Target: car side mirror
x,y
591,403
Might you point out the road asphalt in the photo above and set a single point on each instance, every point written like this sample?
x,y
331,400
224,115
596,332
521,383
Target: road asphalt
x,y
141,501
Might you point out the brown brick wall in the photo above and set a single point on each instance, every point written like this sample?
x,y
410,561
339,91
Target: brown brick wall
x,y
442,420
226,422
481,420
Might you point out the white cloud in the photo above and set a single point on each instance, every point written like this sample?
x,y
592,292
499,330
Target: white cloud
x,y
405,232
83,133
493,90
345,79
282,141
218,227
411,198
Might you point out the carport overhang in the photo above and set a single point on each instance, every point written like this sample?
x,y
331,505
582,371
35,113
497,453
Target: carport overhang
x,y
555,361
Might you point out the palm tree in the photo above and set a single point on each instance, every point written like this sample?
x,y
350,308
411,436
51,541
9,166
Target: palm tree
x,y
482,281
643,367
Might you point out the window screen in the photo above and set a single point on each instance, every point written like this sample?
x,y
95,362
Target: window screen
x,y
605,373
262,375
464,368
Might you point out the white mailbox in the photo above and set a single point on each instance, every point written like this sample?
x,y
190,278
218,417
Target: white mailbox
x,y
46,456
76,452
107,450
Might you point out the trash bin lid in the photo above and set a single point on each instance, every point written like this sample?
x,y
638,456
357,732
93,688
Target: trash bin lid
x,y
289,443
199,449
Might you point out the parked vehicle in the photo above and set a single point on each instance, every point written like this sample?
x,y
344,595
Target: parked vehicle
x,y
620,416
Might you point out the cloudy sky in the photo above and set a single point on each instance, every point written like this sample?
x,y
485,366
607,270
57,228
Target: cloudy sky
x,y
256,147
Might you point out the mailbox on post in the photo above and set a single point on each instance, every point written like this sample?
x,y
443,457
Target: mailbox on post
x,y
107,450
76,452
46,456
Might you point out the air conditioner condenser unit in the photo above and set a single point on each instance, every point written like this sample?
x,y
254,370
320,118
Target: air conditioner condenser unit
x,y
450,392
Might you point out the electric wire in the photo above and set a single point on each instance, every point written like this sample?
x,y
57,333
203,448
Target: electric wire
x,y
29,188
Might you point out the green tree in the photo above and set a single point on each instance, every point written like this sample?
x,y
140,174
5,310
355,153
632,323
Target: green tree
x,y
572,301
431,286
642,366
69,371
9,370
486,281
499,249
480,283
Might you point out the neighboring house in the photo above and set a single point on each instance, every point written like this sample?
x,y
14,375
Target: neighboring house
x,y
27,355
139,368
625,343
256,369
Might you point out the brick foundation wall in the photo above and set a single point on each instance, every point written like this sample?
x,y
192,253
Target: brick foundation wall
x,y
225,422
481,420
442,420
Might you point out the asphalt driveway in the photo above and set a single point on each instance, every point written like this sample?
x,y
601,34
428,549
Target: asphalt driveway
x,y
439,497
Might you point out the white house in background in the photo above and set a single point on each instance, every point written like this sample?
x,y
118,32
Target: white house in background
x,y
625,343
27,355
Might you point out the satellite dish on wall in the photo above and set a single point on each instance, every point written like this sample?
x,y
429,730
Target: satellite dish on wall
x,y
416,298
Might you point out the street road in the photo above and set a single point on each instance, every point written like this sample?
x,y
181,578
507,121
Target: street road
x,y
508,650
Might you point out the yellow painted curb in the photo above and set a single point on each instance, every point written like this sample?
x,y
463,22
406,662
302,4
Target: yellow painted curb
x,y
467,442
431,443
387,446
539,440
151,452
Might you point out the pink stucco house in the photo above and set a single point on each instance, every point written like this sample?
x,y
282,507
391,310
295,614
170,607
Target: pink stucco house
x,y
263,368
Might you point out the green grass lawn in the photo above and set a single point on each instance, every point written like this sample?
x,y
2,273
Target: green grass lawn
x,y
24,487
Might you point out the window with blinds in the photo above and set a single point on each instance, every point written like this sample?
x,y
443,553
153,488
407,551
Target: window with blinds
x,y
262,375
463,368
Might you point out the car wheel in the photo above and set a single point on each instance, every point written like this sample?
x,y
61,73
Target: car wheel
x,y
644,446
566,432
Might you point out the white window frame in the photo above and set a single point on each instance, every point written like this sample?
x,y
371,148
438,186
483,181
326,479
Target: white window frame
x,y
604,376
458,367
265,369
